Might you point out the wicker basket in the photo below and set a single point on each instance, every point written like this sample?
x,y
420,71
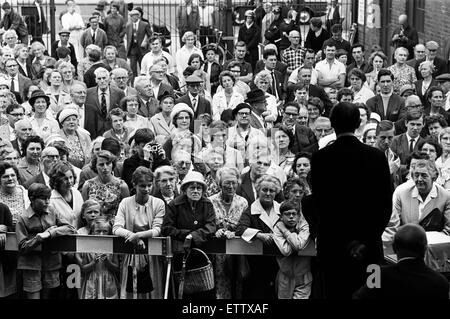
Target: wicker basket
x,y
197,279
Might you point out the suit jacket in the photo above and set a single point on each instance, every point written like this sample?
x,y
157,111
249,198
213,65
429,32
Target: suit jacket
x,y
280,67
142,31
36,28
424,97
30,71
442,111
203,106
410,279
15,145
39,178
160,127
100,38
73,58
395,110
24,82
94,122
303,138
279,85
150,110
400,147
254,122
440,67
164,89
333,177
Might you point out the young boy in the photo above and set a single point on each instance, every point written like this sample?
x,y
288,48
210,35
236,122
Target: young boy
x,y
38,223
212,68
291,234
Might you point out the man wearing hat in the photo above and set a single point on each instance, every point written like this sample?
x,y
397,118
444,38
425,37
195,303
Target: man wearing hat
x,y
14,21
94,35
137,30
49,157
36,22
198,103
258,103
440,65
63,41
250,34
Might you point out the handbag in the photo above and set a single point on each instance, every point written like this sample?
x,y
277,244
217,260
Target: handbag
x,y
138,280
434,221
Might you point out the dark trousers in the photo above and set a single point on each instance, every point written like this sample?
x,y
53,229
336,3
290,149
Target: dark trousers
x,y
206,33
135,57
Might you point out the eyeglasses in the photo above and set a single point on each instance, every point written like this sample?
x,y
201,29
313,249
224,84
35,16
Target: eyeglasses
x,y
11,65
287,214
268,190
266,164
432,50
243,113
416,105
16,114
193,187
290,114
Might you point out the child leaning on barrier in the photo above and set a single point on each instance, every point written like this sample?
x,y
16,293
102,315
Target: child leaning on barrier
x,y
38,223
291,235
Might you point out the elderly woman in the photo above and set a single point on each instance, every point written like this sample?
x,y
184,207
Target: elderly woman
x,y
364,115
138,218
183,54
118,130
315,110
40,60
78,141
21,54
403,73
190,217
357,80
29,164
12,194
10,156
10,37
107,189
65,197
228,208
258,222
228,98
426,69
377,60
67,70
214,159
161,122
443,162
431,147
164,186
130,104
369,136
281,143
58,97
43,124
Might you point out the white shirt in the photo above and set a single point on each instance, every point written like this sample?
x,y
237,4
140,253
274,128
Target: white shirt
x,y
363,94
81,111
147,61
206,15
46,178
24,66
410,138
38,7
431,195
330,71
194,105
156,90
106,96
385,98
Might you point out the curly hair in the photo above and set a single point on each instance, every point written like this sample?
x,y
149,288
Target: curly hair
x,y
58,172
268,178
290,183
32,139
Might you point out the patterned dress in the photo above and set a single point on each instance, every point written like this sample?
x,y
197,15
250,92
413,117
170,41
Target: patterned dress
x,y
226,266
108,195
402,75
16,202
76,155
213,188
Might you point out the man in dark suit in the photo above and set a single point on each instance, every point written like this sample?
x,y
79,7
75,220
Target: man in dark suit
x,y
409,278
94,35
412,104
199,104
99,101
257,100
440,65
148,103
49,157
22,129
419,54
156,78
277,88
303,135
404,144
136,31
388,105
18,82
345,251
279,66
36,22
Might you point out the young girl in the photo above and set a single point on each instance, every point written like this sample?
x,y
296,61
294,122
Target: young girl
x,y
99,270
196,61
89,211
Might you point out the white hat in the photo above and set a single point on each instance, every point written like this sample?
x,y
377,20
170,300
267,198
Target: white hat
x,y
66,113
193,177
375,116
181,107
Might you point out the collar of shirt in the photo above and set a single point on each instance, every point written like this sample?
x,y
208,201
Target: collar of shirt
x,y
46,178
192,98
318,32
136,25
409,139
386,96
431,194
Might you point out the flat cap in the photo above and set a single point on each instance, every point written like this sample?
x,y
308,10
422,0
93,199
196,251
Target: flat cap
x,y
443,77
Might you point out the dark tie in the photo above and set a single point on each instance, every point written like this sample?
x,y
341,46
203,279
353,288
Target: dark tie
x,y
12,85
103,105
411,145
206,67
148,108
194,102
93,37
274,85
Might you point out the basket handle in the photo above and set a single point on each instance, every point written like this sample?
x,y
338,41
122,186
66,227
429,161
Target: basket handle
x,y
201,251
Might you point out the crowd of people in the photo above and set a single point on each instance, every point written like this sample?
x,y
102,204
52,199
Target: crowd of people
x,y
109,133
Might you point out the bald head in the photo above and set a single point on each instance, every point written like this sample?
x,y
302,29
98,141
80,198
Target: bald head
x,y
412,100
410,241
402,19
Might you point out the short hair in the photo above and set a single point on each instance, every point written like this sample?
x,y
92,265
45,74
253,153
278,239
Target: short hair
x,y
100,71
268,178
358,45
140,173
13,106
94,55
412,116
62,148
37,190
124,101
240,44
344,91
290,183
5,165
269,52
317,102
32,139
165,169
411,99
112,145
316,22
234,64
283,128
345,117
57,174
340,52
292,104
154,38
300,155
116,112
433,142
446,130
139,80
385,125
364,107
21,122
205,117
289,205
427,63
62,52
434,89
64,65
405,50
11,32
110,47
410,240
195,56
103,154
379,54
115,5
226,73
116,71
143,135
429,165
37,45
336,28
18,47
358,73
227,170
188,34
384,72
435,118
417,156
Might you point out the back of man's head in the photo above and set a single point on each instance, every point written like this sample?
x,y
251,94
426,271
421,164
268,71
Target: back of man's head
x,y
410,241
345,117
112,145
